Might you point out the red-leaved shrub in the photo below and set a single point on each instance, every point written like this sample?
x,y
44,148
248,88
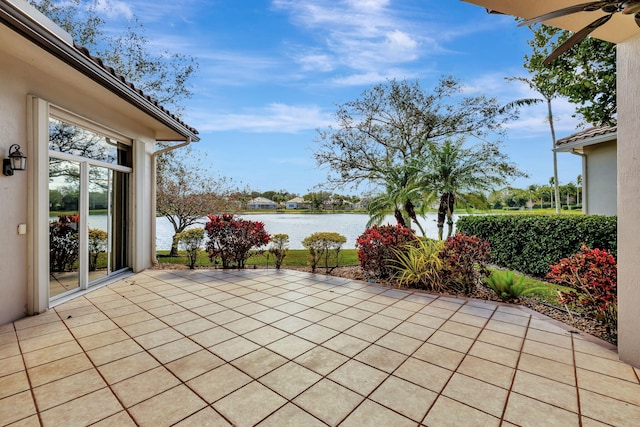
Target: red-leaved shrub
x,y
465,261
376,248
594,274
231,239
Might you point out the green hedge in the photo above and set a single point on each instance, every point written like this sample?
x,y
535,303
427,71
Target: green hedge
x,y
531,243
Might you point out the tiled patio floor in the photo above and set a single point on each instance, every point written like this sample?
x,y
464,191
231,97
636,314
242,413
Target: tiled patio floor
x,y
269,348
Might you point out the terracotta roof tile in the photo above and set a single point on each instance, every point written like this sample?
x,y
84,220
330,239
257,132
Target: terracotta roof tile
x,y
588,133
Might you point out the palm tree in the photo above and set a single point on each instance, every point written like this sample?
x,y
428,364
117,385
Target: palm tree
x,y
552,184
548,89
398,198
458,175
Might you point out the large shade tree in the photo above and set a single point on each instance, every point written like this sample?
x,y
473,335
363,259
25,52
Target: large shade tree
x,y
454,174
378,136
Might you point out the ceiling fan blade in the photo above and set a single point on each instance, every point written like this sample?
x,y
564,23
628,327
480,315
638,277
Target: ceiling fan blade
x,y
631,7
576,38
583,7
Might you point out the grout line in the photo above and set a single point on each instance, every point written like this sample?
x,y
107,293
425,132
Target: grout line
x,y
575,375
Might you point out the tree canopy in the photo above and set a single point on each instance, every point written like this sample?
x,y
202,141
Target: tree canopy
x,y
586,74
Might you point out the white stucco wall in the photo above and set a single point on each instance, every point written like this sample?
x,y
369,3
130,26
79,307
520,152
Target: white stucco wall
x,y
26,70
628,201
601,176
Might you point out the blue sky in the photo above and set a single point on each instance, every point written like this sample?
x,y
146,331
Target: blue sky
x,y
273,71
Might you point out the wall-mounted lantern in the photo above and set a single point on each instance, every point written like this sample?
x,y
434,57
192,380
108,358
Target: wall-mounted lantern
x,y
16,161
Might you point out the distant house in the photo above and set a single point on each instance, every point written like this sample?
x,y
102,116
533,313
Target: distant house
x,y
297,203
598,148
261,203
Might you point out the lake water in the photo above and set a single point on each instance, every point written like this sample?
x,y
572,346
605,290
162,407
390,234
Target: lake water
x,y
299,226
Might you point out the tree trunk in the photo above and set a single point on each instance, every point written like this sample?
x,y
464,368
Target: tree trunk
x,y
174,246
555,158
445,210
399,217
408,206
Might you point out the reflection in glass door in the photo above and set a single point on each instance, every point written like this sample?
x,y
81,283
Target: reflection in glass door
x,y
64,226
100,220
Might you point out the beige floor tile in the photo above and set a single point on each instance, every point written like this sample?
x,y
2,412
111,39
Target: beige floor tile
x,y
404,397
130,319
477,394
291,416
269,316
193,365
292,307
59,369
44,341
495,354
32,421
450,413
524,411
50,354
427,320
244,325
175,350
381,358
507,341
83,410
259,362
358,377
397,313
144,386
9,349
321,360
127,367
371,306
588,422
328,401
609,386
547,351
447,358
207,417
424,374
400,343
179,317
16,407
502,315
248,309
209,309
506,328
434,311
121,419
338,323
144,328
291,324
346,344
67,388
291,346
313,315
167,408
480,310
559,340
461,329
192,327
233,348
451,341
356,314
213,336
265,335
546,390
11,365
612,368
249,405
317,333
33,332
101,339
366,332
588,347
114,352
487,371
608,410
547,368
469,319
418,332
371,414
381,321
290,379
219,382
160,337
13,384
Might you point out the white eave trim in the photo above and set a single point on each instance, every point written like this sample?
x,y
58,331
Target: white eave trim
x,y
593,140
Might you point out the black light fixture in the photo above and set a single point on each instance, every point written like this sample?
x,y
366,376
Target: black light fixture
x,y
16,161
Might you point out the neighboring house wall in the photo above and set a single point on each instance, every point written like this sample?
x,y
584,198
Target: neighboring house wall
x,y
600,179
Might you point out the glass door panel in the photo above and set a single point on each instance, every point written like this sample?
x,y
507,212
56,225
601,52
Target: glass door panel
x,y
100,220
64,226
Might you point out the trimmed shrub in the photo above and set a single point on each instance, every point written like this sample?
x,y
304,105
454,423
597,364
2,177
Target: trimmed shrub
x,y
508,285
279,247
231,239
465,261
191,241
97,244
531,243
63,243
324,245
594,274
377,248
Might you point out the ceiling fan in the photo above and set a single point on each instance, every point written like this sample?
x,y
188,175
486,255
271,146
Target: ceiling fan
x,y
629,7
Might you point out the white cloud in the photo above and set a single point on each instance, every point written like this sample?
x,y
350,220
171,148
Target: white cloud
x,y
114,8
274,118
